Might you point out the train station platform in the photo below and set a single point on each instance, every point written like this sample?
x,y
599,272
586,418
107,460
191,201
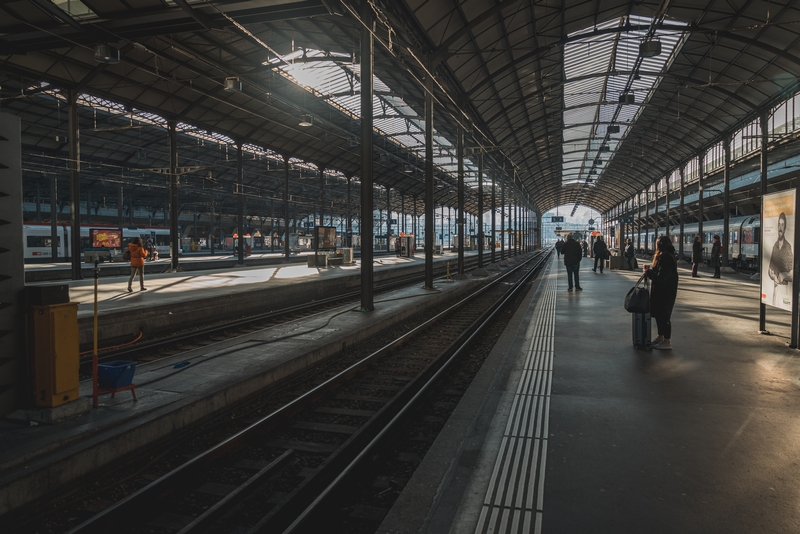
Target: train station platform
x,y
187,299
191,261
180,390
570,429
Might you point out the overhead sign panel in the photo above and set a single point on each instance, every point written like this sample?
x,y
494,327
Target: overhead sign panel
x,y
558,219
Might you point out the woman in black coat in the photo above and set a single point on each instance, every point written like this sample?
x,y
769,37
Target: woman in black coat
x,y
716,251
664,274
697,255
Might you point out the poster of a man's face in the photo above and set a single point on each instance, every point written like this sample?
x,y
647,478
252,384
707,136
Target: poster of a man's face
x,y
777,263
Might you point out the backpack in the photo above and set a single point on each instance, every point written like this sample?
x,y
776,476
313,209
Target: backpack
x,y
126,255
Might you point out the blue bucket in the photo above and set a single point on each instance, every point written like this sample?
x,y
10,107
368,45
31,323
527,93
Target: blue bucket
x,y
116,374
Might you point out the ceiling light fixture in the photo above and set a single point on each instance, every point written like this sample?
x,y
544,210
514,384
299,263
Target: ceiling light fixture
x,y
233,84
650,48
106,54
306,120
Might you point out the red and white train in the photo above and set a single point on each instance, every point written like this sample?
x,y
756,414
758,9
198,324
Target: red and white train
x,y
38,239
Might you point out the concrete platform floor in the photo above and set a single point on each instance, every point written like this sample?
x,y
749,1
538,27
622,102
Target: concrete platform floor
x,y
700,439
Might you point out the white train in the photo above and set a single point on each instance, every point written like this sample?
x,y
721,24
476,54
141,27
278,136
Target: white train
x,y
744,234
37,239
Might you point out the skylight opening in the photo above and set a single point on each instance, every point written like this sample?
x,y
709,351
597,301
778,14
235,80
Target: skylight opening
x,y
598,110
75,9
336,79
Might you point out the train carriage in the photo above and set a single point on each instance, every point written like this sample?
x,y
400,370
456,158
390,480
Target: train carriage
x,y
741,246
37,240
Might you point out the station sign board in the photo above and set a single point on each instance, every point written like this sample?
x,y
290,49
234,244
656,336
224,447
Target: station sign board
x,y
557,219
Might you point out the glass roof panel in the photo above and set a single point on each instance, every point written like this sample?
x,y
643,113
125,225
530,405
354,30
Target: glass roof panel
x,y
592,93
336,79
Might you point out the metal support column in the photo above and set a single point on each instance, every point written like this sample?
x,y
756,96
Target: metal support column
x,y
494,213
54,241
348,229
120,214
700,214
503,229
74,186
429,208
367,58
481,238
639,225
647,220
14,370
402,212
211,229
286,251
173,195
726,199
389,244
682,214
762,308
460,213
240,204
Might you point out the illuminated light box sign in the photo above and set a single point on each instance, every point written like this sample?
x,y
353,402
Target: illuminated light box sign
x,y
105,238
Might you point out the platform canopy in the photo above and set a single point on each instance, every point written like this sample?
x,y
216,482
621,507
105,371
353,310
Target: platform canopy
x,y
572,102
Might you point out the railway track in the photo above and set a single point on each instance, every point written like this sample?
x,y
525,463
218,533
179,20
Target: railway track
x,y
275,475
222,331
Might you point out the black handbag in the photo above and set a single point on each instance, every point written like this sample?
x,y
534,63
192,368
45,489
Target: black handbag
x,y
638,298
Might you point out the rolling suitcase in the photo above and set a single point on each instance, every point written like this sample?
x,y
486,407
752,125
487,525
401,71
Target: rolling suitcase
x,y
641,330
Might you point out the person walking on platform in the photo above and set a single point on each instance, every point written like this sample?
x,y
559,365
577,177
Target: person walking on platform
x,y
600,253
138,254
697,255
585,247
629,253
716,251
572,261
664,274
559,246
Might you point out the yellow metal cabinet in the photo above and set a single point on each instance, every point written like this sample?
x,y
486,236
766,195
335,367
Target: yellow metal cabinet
x,y
53,349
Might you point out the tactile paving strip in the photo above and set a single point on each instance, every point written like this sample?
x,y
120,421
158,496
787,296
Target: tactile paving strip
x,y
513,502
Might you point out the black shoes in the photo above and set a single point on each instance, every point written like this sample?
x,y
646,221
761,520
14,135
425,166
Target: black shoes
x,y
144,289
130,289
579,288
569,289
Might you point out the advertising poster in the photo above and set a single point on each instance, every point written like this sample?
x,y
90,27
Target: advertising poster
x,y
104,238
327,237
777,234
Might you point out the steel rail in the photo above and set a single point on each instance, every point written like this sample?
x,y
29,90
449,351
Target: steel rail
x,y
129,352
138,501
454,351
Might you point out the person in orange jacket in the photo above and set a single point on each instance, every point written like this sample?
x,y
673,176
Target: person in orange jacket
x,y
138,254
